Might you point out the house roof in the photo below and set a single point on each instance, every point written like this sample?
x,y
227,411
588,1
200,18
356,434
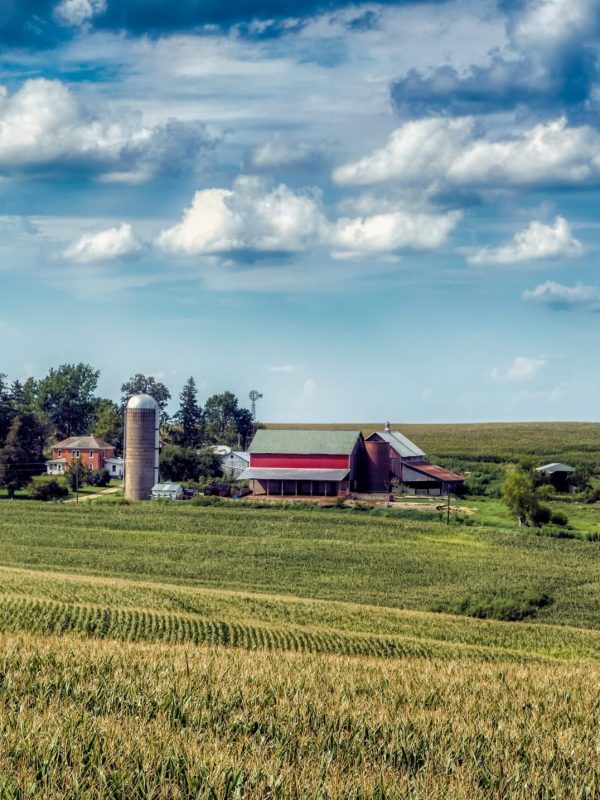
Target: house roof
x,y
435,472
400,443
300,441
281,474
83,443
550,469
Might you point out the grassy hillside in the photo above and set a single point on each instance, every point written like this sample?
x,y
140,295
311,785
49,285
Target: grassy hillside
x,y
101,719
174,651
577,442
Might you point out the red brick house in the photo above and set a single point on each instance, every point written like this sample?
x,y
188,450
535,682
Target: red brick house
x,y
91,452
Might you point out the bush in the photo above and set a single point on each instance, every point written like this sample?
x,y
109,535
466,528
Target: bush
x,y
560,519
99,477
541,515
509,607
48,490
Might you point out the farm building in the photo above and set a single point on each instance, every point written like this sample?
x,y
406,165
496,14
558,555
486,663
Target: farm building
x,y
115,467
305,462
234,463
168,491
556,474
92,453
402,460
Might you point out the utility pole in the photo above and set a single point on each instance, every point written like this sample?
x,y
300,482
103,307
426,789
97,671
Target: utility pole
x,y
77,481
448,509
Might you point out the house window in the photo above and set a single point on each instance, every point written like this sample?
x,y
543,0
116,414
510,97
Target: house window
x,y
91,453
76,453
58,453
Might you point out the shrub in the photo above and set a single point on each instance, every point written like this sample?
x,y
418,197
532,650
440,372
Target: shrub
x,y
558,518
99,477
48,490
541,516
509,607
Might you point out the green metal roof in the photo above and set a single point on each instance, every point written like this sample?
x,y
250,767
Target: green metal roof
x,y
304,442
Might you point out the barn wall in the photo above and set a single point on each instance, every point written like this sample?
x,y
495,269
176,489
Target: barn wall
x,y
299,461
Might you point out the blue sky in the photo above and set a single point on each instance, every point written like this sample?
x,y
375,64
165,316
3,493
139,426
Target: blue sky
x,y
365,211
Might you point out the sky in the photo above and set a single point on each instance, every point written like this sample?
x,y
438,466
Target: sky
x,y
365,211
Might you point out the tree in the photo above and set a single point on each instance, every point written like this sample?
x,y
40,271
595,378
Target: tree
x,y
189,416
187,464
108,422
21,457
225,421
518,492
66,395
142,384
6,409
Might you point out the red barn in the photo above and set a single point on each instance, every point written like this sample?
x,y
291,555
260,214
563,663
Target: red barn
x,y
304,462
91,452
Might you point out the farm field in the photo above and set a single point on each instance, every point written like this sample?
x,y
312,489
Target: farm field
x,y
177,651
578,442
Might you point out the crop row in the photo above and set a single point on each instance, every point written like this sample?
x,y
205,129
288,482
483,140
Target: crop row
x,y
49,617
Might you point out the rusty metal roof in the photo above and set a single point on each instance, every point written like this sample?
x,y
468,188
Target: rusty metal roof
x,y
434,471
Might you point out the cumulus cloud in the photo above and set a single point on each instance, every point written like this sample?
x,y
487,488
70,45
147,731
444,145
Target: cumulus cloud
x,y
558,296
535,241
442,153
550,64
45,127
78,12
252,218
247,218
389,233
105,245
521,369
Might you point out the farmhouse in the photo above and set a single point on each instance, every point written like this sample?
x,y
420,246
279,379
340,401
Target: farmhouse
x,y
92,453
305,462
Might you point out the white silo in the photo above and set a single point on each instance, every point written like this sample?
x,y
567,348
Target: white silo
x,y
141,446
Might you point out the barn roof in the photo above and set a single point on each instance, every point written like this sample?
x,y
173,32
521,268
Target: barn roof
x,y
83,443
292,474
434,472
550,469
302,441
400,443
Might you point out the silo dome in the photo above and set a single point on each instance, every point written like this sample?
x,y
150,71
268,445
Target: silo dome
x,y
142,401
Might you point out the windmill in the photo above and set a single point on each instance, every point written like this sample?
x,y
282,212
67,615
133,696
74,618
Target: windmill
x,y
254,396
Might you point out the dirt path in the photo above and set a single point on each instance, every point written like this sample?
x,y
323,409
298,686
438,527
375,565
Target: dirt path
x,y
84,497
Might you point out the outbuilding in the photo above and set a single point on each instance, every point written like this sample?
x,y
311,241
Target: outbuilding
x,y
168,491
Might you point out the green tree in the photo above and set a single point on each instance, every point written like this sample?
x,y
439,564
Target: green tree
x,y
21,457
108,422
225,421
7,412
146,384
76,474
189,416
66,394
522,497
187,463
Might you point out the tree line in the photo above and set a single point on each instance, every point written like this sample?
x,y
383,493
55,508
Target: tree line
x,y
36,412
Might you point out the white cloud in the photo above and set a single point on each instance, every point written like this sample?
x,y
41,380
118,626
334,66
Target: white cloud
x,y
535,241
550,22
522,369
443,152
388,233
557,295
44,125
254,218
249,217
78,12
286,368
281,152
104,246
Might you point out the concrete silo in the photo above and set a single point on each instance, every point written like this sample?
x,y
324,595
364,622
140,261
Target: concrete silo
x,y
141,446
